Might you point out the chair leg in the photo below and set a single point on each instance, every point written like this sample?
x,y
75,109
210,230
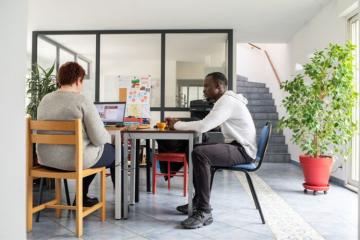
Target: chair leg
x,y
29,203
67,192
40,198
185,177
103,195
154,175
79,207
255,196
168,174
58,196
213,170
251,190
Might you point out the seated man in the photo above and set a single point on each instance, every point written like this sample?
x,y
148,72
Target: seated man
x,y
229,112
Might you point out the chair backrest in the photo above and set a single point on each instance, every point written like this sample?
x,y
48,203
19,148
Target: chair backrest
x,y
49,132
263,143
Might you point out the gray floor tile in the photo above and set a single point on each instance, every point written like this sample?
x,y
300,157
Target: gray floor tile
x,y
234,212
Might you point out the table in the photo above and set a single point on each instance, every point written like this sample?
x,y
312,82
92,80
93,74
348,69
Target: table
x,y
116,131
153,134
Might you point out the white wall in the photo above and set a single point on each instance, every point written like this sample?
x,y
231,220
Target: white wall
x,y
12,103
328,26
253,64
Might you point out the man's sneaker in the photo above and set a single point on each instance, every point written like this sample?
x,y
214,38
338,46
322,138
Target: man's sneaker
x,y
197,220
184,208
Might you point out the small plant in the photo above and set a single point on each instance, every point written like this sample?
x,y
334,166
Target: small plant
x,y
41,82
321,101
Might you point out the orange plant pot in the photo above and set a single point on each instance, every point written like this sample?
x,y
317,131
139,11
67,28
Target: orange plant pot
x,y
316,171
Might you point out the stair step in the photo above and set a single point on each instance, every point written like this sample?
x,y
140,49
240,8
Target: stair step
x,y
240,89
259,123
275,139
261,102
240,78
279,157
259,96
274,131
266,116
272,134
262,109
277,148
249,84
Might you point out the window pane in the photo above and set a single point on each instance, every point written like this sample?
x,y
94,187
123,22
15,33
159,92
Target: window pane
x,y
84,47
65,56
124,55
155,117
46,55
177,114
354,178
189,57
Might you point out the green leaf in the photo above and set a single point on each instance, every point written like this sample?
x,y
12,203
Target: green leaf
x,y
320,102
38,85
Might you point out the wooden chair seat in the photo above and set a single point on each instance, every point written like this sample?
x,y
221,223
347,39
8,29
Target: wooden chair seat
x,y
43,172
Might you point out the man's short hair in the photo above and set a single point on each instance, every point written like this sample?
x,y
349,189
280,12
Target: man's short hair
x,y
218,77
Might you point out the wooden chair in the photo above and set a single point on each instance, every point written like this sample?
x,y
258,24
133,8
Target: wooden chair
x,y
76,139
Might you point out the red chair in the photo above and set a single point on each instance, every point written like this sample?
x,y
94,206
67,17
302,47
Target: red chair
x,y
170,157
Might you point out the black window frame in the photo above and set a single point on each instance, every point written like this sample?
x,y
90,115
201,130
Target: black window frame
x,y
162,109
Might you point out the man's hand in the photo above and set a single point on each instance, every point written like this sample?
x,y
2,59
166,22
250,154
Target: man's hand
x,y
171,122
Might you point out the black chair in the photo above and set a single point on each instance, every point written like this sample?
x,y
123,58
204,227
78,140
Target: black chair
x,y
251,167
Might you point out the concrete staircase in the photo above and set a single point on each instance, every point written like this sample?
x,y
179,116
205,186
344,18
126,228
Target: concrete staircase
x,y
263,109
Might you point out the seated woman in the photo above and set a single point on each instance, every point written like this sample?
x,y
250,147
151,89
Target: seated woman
x,y
67,103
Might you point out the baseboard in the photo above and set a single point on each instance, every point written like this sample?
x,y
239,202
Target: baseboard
x,y
295,162
334,180
337,181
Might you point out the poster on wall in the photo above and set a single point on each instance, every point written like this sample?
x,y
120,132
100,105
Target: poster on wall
x,y
138,95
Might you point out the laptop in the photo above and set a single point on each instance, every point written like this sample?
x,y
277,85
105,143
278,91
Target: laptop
x,y
111,113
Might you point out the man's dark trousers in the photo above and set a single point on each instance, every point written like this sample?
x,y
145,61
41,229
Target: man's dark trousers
x,y
206,155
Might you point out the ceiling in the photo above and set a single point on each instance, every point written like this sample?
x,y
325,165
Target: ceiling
x,y
253,20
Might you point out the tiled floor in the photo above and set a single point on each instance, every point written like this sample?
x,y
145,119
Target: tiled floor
x,y
333,216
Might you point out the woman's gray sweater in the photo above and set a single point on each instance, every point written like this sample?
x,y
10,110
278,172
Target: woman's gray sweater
x,y
62,105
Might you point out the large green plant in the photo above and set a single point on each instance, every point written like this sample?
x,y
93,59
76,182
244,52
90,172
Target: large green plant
x,y
40,83
320,102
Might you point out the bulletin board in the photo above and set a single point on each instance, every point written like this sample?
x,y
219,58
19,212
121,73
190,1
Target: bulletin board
x,y
138,89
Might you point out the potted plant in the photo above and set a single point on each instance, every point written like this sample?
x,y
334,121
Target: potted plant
x,y
41,82
319,107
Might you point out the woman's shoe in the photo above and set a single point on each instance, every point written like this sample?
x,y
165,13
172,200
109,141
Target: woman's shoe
x,y
87,201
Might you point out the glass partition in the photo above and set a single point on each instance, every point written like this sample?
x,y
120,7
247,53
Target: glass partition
x,y
123,55
46,55
176,60
64,48
189,57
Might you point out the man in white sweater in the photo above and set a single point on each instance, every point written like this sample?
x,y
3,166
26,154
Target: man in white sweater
x,y
229,112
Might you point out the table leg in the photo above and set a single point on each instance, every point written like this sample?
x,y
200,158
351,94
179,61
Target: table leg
x,y
191,186
137,169
118,182
132,172
125,174
148,166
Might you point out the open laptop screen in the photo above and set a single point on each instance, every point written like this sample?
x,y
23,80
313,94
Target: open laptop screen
x,y
111,112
